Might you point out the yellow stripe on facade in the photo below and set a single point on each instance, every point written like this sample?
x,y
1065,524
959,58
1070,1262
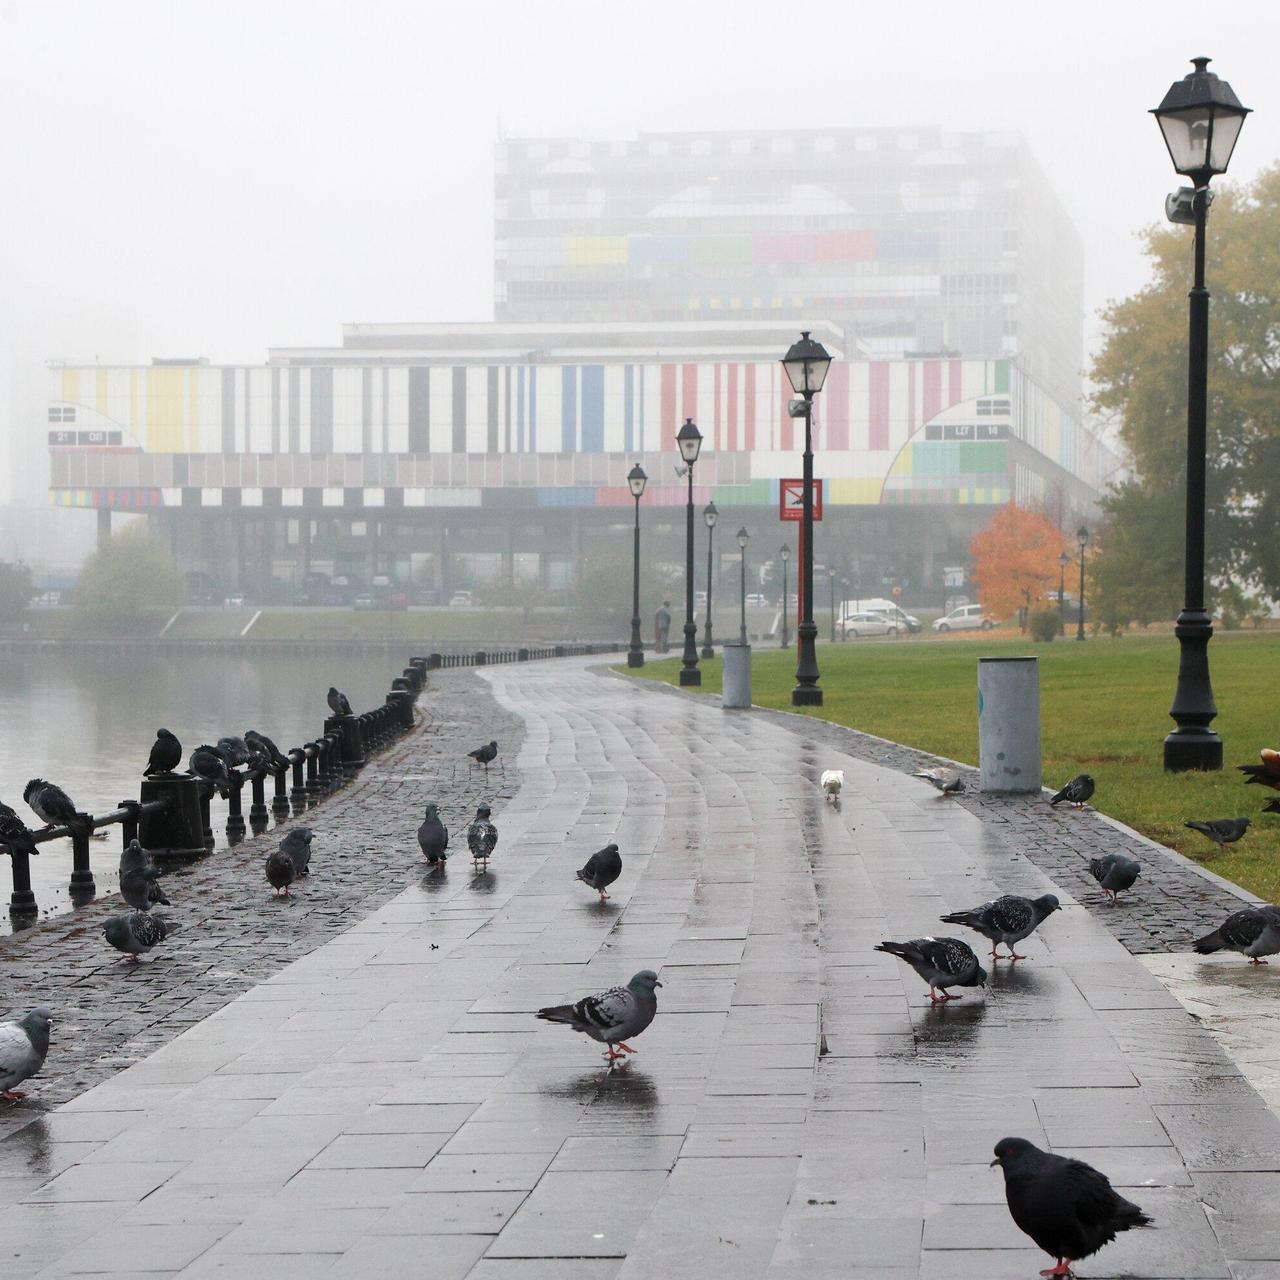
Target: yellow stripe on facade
x,y
854,491
164,410
100,392
71,385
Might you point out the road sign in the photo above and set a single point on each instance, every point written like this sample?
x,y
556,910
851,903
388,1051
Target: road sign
x,y
953,576
791,499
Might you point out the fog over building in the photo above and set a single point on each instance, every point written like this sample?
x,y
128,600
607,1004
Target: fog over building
x,y
638,283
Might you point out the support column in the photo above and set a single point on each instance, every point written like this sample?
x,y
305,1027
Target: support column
x,y
104,525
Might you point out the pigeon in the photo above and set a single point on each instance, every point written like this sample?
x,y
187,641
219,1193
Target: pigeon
x,y
1222,831
14,833
135,933
1272,806
482,837
138,878
482,755
279,761
258,759
1066,1206
612,1017
832,783
166,754
281,872
941,962
1114,873
24,1045
602,870
1253,932
53,807
1078,790
235,751
209,764
1266,774
1008,919
946,780
338,703
433,837
297,844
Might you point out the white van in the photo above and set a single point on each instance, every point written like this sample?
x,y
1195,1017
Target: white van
x,y
887,609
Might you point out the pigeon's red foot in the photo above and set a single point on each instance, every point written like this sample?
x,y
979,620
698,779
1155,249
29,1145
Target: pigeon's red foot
x,y
941,999
1013,955
625,1047
1062,1269
135,959
604,897
1254,960
12,1095
610,1056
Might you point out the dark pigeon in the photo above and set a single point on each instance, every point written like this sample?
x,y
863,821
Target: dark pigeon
x,y
235,751
1066,1206
1253,932
281,872
1222,831
1266,774
1078,790
602,869
614,1016
138,879
297,844
53,806
1008,919
482,838
279,761
941,962
136,933
14,833
483,755
209,765
338,703
1114,873
433,837
166,754
1272,806
24,1045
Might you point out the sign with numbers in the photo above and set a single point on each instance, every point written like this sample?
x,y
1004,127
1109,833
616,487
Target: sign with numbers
x,y
791,499
85,439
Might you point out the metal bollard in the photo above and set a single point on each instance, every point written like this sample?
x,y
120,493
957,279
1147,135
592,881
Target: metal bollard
x,y
1009,724
129,824
82,887
313,772
435,661
22,901
235,815
280,797
348,731
298,792
177,830
400,710
258,815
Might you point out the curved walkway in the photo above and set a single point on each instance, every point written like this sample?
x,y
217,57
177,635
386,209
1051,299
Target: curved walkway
x,y
387,1105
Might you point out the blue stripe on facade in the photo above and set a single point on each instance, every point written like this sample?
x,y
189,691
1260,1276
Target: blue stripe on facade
x,y
533,409
520,410
569,409
593,408
568,496
628,416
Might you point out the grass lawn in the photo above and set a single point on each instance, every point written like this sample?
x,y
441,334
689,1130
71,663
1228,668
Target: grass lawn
x,y
1103,711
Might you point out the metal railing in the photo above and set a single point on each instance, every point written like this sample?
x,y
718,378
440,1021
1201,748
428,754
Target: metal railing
x,y
172,817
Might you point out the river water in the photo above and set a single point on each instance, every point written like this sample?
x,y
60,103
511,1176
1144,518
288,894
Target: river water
x,y
87,722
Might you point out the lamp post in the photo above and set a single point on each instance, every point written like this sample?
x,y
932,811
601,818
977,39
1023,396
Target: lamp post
x,y
806,363
1082,537
831,580
1063,560
636,481
743,536
1200,118
710,515
785,553
689,438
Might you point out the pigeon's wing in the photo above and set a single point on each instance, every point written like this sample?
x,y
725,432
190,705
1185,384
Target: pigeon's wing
x,y
57,802
1011,914
608,1009
946,955
1243,928
16,1054
1094,1200
1100,867
147,930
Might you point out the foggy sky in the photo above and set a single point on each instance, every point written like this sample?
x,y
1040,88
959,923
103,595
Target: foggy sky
x,y
211,178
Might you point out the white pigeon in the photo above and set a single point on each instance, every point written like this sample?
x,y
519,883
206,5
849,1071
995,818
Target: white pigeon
x,y
832,784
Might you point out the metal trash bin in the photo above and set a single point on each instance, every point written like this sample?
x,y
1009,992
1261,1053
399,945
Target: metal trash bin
x,y
736,692
1009,724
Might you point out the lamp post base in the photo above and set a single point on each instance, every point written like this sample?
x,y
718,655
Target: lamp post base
x,y
804,695
690,677
1193,745
635,658
1192,748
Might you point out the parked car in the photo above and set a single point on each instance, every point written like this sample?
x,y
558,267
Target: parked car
x,y
461,600
363,601
233,602
968,618
866,624
756,600
905,621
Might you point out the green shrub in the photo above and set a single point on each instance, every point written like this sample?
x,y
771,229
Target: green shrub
x,y
1045,624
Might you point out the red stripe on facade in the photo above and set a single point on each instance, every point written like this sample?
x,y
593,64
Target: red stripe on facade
x,y
878,405
735,429
835,400
955,389
689,399
913,372
668,423
932,389
718,440
749,391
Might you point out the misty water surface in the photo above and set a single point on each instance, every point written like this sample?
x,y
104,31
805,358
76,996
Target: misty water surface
x,y
87,723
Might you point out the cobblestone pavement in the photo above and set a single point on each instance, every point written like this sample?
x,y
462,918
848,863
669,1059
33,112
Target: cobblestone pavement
x,y
1173,902
231,934
387,1104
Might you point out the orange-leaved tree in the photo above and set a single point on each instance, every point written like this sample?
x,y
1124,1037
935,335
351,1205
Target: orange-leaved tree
x,y
1015,560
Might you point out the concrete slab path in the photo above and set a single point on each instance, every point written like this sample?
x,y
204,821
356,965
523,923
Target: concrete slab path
x,y
388,1106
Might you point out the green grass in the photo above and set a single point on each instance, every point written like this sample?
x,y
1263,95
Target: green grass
x,y
1103,711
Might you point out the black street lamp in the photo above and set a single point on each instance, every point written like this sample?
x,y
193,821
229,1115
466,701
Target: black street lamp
x,y
806,363
710,515
1082,537
636,481
689,438
1063,560
1200,118
831,579
785,553
743,536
